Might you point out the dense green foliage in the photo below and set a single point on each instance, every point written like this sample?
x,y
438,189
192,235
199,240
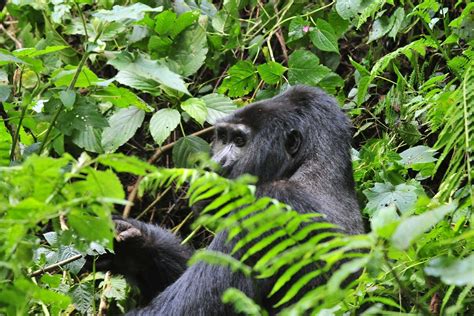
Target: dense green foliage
x,y
89,90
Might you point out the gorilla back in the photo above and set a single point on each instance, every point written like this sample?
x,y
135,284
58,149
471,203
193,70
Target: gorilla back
x,y
298,144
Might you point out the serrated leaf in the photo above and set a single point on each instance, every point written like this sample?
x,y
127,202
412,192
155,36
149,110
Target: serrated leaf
x,y
323,37
187,149
122,126
403,196
304,68
83,296
131,13
241,79
183,21
190,50
66,252
196,108
218,106
88,138
164,22
145,74
163,123
271,72
414,226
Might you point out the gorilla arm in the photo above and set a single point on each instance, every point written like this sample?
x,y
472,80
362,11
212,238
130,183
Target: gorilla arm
x,y
147,255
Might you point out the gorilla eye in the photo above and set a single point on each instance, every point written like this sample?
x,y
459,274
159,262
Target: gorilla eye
x,y
221,135
239,140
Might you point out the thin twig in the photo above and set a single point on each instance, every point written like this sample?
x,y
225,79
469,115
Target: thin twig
x,y
55,265
158,153
18,44
103,305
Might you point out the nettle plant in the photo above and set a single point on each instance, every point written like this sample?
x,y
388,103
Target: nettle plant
x,y
112,77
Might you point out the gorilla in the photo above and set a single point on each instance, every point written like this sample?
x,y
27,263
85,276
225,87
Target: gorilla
x,y
298,145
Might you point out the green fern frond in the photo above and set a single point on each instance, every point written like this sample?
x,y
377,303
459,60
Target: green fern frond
x,y
456,137
286,241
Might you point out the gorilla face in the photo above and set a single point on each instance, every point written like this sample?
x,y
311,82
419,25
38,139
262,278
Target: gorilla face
x,y
241,148
231,142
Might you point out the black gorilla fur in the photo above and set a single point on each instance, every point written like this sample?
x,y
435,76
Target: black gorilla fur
x,y
298,144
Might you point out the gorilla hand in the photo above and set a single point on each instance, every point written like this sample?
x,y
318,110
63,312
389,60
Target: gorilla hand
x,y
147,255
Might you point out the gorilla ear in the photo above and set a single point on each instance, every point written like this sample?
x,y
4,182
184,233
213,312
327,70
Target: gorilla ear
x,y
293,142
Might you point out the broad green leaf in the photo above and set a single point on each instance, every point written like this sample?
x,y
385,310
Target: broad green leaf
x,y
347,9
159,46
368,9
398,18
33,52
63,77
121,97
384,221
413,227
145,74
165,22
91,228
297,29
241,80
68,97
339,24
133,13
103,184
7,58
271,72
323,37
183,21
190,50
403,196
163,123
88,138
218,106
5,88
196,108
187,151
84,114
82,295
380,27
331,83
459,272
122,126
304,68
418,155
65,252
116,289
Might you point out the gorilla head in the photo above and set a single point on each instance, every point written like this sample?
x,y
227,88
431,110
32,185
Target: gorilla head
x,y
273,139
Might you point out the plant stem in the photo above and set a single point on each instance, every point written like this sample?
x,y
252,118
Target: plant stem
x,y
61,107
